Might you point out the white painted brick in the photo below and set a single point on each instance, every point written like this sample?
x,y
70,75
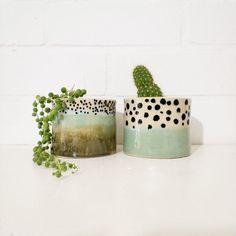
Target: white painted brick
x,y
146,2
16,123
211,22
21,23
119,120
92,23
177,73
213,120
29,71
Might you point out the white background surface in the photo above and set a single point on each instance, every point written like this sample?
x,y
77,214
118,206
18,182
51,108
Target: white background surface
x,y
189,46
119,195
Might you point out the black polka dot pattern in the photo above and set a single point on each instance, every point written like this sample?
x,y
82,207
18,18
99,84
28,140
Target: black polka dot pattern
x,y
153,113
176,121
156,118
90,106
163,101
140,105
176,102
140,121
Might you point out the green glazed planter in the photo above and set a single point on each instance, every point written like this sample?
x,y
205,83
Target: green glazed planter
x,y
157,127
86,128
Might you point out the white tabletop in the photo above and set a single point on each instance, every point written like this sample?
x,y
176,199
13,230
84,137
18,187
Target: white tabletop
x,y
120,195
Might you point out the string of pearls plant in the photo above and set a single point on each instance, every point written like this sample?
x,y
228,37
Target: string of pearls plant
x,y
45,111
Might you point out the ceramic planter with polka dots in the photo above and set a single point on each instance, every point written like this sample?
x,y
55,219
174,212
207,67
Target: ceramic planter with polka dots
x,y
86,128
157,127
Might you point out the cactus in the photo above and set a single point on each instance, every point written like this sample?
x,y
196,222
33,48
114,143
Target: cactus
x,y
145,83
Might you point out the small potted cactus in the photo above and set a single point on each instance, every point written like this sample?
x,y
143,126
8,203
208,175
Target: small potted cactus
x,y
73,126
155,126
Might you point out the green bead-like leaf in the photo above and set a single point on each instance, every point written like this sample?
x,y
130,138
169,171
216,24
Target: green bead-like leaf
x,y
63,90
35,104
44,121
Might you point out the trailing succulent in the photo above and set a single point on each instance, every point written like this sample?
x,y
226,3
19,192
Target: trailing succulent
x,y
45,111
145,83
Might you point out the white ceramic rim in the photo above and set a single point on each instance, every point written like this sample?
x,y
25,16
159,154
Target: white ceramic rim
x,y
92,99
158,98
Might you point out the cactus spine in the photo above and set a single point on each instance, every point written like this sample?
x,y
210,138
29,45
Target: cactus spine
x,y
145,83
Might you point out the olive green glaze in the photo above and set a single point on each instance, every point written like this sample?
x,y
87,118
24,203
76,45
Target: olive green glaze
x,y
84,135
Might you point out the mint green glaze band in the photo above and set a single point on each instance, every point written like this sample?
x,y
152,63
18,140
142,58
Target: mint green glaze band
x,y
157,142
82,120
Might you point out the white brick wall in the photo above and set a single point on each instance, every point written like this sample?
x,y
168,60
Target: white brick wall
x,y
211,22
185,72
93,23
189,45
30,70
21,23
